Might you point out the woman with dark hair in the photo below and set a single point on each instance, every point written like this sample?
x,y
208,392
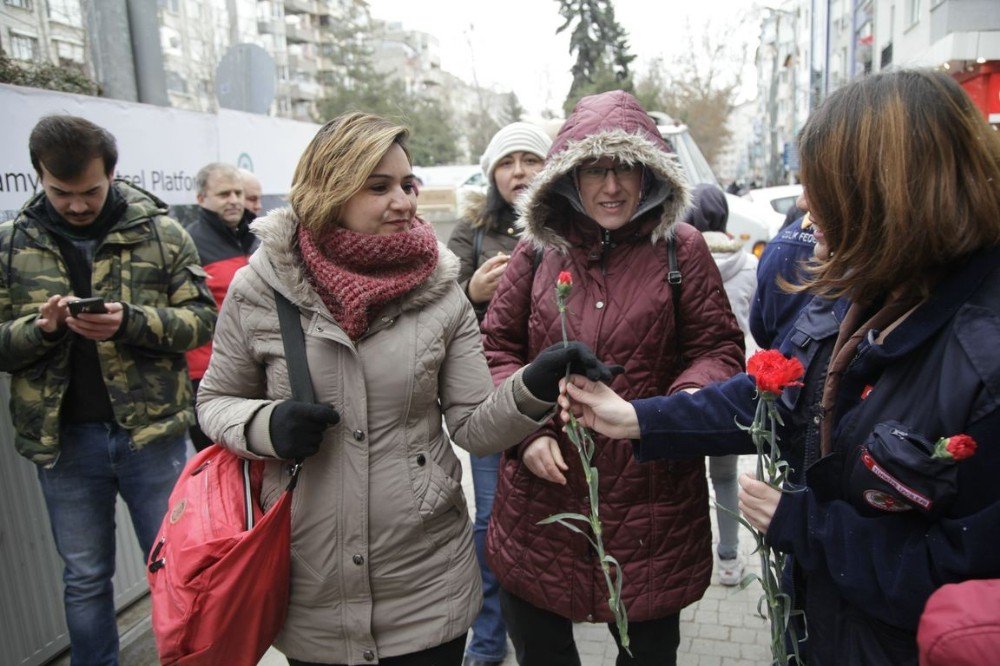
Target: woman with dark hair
x,y
383,567
607,208
483,241
901,174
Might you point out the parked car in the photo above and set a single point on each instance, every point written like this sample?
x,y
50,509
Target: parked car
x,y
445,189
746,222
774,203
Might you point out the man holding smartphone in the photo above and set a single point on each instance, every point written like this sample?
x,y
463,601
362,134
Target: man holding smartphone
x,y
100,296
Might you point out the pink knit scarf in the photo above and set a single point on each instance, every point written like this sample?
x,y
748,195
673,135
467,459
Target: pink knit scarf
x,y
356,274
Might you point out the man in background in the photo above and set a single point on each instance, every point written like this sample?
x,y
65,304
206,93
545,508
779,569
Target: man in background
x,y
252,192
224,241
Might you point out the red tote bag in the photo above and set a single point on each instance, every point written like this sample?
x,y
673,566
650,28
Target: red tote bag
x,y
219,571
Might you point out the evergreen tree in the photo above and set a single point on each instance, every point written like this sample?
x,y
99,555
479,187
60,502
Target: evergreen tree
x,y
601,48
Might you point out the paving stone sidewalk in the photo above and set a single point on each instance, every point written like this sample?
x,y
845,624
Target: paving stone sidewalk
x,y
722,629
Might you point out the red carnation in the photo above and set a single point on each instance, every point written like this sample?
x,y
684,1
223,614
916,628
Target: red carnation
x,y
956,447
563,284
773,372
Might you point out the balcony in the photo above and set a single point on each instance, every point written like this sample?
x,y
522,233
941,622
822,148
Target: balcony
x,y
299,34
268,27
298,64
327,64
307,91
300,7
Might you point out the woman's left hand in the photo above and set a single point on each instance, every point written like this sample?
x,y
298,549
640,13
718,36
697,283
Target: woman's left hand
x,y
758,501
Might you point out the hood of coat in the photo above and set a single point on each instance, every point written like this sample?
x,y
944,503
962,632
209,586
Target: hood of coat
x,y
475,212
611,124
727,252
278,263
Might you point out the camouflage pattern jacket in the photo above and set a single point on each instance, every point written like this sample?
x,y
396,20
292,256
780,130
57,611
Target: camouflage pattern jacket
x,y
147,262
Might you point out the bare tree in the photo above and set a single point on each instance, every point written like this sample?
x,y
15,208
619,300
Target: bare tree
x,y
699,87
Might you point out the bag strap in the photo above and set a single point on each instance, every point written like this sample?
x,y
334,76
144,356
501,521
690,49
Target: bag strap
x,y
294,340
477,246
674,279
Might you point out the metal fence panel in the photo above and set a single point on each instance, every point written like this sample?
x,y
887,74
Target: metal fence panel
x,y
32,624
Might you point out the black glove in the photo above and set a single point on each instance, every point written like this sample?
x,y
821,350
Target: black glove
x,y
542,375
297,428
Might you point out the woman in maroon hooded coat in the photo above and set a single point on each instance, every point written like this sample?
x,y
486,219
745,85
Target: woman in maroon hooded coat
x,y
606,209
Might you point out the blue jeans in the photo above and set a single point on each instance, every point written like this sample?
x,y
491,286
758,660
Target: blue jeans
x,y
489,633
722,469
96,463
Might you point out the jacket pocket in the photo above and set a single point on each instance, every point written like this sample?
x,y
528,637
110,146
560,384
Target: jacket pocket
x,y
439,498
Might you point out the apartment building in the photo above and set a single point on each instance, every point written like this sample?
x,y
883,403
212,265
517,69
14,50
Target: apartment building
x,y
53,31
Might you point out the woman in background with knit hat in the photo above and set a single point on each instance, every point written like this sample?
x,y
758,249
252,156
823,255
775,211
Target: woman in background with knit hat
x,y
383,567
483,241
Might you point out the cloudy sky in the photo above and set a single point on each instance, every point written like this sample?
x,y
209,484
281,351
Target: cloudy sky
x,y
512,45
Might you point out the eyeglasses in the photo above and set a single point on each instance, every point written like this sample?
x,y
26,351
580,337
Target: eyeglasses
x,y
596,174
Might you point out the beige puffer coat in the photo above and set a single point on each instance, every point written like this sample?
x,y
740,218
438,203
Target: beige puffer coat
x,y
382,555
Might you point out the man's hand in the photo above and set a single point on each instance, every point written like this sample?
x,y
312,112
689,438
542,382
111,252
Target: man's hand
x,y
545,460
598,407
52,314
485,280
758,501
97,327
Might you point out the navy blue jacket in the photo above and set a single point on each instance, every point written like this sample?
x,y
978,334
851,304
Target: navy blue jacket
x,y
867,577
773,311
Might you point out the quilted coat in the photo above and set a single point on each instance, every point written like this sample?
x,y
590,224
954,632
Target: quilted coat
x,y
382,555
655,517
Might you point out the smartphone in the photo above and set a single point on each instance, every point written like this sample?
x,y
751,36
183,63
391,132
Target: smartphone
x,y
93,305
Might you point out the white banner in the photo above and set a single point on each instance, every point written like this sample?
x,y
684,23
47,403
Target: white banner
x,y
160,149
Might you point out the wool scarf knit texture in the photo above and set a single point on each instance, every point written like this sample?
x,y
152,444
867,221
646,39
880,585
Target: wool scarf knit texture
x,y
356,274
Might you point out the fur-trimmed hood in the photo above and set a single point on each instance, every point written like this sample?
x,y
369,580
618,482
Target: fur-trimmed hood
x,y
609,124
474,210
278,263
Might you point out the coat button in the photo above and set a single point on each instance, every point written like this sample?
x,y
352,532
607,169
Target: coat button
x,y
590,617
421,459
599,305
358,559
359,435
368,655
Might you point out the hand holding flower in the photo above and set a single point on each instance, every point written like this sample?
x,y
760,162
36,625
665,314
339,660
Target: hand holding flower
x,y
758,501
598,407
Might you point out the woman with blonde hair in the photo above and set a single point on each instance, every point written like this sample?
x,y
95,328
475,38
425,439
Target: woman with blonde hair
x,y
383,566
902,178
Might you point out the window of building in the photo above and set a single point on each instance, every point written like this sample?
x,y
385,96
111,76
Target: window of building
x,y
912,12
66,11
23,4
176,82
68,51
23,47
172,6
170,40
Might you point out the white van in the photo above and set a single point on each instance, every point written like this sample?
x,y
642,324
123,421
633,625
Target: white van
x,y
745,222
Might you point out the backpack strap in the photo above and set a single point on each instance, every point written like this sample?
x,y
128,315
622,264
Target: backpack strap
x,y
477,246
294,340
674,279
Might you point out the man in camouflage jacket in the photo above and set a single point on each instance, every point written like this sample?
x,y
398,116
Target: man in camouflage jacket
x,y
101,402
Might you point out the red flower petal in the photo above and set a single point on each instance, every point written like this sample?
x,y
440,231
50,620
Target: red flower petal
x,y
773,372
961,446
565,279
